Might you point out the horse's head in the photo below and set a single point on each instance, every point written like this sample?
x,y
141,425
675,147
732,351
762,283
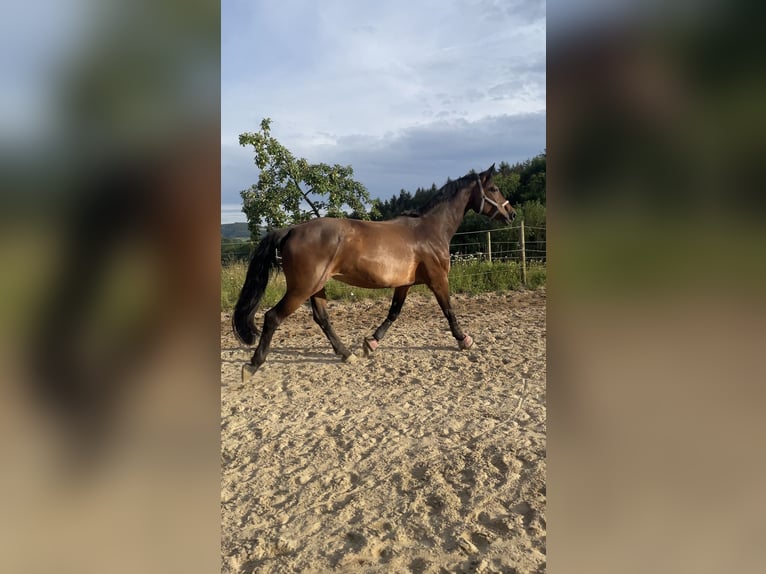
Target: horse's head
x,y
489,201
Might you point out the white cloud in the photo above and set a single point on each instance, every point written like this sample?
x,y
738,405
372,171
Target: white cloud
x,y
373,84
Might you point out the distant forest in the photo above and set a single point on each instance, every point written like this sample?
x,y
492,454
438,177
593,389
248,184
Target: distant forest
x,y
238,230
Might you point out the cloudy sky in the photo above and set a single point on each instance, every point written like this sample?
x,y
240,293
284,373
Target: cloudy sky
x,y
407,93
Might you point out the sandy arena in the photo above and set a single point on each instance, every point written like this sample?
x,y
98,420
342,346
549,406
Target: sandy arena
x,y
420,459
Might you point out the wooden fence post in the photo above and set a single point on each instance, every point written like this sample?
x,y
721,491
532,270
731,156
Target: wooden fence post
x,y
489,246
523,256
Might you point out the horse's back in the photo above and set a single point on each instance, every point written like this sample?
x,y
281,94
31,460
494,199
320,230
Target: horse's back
x,y
329,229
362,253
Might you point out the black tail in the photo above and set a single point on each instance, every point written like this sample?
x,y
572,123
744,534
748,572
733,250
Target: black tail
x,y
262,265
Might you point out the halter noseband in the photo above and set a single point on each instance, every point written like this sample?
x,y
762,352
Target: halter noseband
x,y
484,198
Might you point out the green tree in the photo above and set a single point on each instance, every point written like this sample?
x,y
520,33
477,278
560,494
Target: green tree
x,y
533,179
532,212
534,185
523,181
508,183
290,190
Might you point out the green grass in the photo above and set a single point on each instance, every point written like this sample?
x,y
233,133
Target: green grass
x,y
472,278
536,275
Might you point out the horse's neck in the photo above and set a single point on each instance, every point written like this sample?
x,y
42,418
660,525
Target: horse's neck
x,y
449,215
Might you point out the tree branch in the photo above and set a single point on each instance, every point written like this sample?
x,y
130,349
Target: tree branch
x,y
306,197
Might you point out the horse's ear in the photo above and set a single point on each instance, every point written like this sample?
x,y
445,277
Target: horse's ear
x,y
490,172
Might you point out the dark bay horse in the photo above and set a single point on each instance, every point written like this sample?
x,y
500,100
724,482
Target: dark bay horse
x,y
408,250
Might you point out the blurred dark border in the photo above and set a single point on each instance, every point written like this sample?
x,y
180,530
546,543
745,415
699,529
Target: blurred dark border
x,y
110,171
656,268
109,242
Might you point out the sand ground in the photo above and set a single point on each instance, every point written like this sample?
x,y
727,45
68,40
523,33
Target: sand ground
x,y
419,459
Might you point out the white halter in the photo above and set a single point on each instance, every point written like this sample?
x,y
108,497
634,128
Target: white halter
x,y
490,201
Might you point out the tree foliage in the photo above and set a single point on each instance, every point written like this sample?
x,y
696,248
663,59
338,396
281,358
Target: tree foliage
x,y
523,181
290,190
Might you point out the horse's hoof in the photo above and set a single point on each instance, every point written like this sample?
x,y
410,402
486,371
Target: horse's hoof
x,y
248,371
466,343
350,358
370,345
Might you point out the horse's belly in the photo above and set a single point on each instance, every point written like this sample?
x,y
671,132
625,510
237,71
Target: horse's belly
x,y
377,274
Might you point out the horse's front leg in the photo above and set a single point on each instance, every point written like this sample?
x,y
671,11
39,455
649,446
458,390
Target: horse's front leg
x,y
440,289
400,294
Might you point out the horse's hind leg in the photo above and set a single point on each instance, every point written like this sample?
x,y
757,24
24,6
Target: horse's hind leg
x,y
273,318
400,294
319,310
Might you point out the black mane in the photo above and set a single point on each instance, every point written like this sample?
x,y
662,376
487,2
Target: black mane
x,y
445,193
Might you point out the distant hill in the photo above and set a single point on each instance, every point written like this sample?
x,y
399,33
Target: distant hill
x,y
236,230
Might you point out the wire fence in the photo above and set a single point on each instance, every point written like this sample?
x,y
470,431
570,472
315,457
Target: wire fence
x,y
501,244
